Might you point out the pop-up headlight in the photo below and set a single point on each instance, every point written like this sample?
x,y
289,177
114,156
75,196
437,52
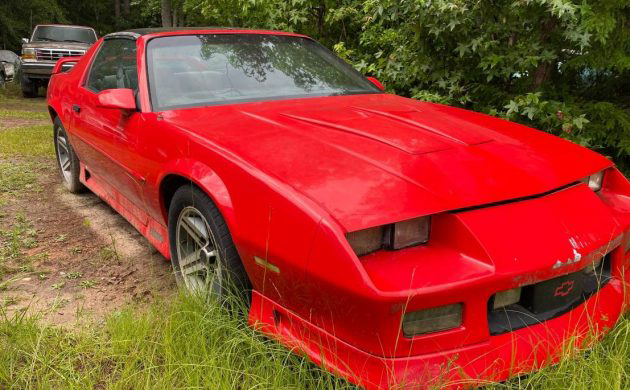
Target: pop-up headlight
x,y
394,236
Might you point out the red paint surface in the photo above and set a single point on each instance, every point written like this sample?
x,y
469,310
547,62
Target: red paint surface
x,y
291,177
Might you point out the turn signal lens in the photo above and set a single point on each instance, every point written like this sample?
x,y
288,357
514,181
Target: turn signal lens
x,y
367,240
28,54
410,233
595,181
506,298
432,320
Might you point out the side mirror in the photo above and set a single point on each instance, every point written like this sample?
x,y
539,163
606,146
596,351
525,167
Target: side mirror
x,y
377,83
119,98
24,40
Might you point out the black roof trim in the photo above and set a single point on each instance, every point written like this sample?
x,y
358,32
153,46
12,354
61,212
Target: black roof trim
x,y
153,30
123,34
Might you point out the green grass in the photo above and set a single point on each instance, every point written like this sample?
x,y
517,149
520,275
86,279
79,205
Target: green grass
x,y
176,343
27,141
183,342
20,114
15,237
16,177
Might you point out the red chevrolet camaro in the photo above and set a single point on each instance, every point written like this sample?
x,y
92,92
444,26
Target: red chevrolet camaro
x,y
392,241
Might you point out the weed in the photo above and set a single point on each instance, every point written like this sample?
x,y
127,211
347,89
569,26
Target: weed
x,y
61,238
73,275
108,254
87,284
58,286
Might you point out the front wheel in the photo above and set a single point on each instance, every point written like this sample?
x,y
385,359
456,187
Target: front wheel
x,y
67,160
203,255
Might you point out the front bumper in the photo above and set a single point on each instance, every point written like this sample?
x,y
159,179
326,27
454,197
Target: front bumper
x,y
496,359
38,70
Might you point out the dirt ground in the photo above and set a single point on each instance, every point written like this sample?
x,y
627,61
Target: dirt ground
x,y
83,260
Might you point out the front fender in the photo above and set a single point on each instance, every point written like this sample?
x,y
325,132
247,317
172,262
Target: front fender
x,y
203,177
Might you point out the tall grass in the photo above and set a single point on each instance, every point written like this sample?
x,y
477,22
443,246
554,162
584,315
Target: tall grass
x,y
184,342
177,343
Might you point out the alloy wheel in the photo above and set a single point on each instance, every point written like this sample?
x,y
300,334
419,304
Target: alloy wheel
x,y
198,257
63,155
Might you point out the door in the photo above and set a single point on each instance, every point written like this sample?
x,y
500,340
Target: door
x,y
109,136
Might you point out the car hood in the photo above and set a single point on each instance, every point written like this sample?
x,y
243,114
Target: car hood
x,y
376,159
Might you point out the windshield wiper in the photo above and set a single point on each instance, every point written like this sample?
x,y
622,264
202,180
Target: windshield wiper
x,y
72,40
43,39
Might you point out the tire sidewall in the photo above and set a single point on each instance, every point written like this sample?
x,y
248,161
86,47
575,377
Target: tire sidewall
x,y
73,185
190,196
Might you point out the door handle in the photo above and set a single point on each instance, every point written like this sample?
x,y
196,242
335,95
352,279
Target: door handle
x,y
76,108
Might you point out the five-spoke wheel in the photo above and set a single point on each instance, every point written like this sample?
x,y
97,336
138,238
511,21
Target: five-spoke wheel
x,y
204,257
67,160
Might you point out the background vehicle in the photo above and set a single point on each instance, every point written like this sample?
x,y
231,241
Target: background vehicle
x,y
388,238
9,62
47,44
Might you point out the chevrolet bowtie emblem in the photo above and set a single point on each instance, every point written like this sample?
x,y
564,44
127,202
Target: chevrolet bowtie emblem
x,y
564,289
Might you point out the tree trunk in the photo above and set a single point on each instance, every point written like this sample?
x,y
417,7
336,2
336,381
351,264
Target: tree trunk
x,y
166,13
117,9
544,70
175,16
126,7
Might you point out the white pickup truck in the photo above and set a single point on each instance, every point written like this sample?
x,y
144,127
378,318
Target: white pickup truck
x,y
48,43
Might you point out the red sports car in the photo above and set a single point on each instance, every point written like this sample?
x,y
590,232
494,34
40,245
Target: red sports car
x,y
392,241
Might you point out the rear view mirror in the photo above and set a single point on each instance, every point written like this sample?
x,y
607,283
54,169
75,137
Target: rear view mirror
x,y
377,83
119,98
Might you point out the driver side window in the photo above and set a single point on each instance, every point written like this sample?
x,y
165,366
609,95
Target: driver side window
x,y
114,66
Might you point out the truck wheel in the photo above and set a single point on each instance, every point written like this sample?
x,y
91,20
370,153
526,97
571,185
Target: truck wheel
x,y
29,87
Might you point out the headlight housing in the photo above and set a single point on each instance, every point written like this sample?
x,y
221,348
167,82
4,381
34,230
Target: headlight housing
x,y
395,236
595,181
28,53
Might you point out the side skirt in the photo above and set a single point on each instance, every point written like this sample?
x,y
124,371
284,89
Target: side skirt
x,y
156,233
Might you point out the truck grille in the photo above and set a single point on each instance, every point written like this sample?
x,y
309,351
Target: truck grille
x,y
55,54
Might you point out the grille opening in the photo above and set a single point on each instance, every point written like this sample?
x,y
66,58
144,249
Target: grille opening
x,y
548,299
55,54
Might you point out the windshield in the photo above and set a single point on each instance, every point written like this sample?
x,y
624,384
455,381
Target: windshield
x,y
63,34
197,70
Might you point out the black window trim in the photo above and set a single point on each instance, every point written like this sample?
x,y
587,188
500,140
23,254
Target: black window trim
x,y
130,37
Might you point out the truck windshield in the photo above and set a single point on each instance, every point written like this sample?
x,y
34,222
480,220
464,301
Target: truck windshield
x,y
63,34
211,69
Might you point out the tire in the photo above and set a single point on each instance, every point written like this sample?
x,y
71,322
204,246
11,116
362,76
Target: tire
x,y
2,80
209,264
67,160
29,87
